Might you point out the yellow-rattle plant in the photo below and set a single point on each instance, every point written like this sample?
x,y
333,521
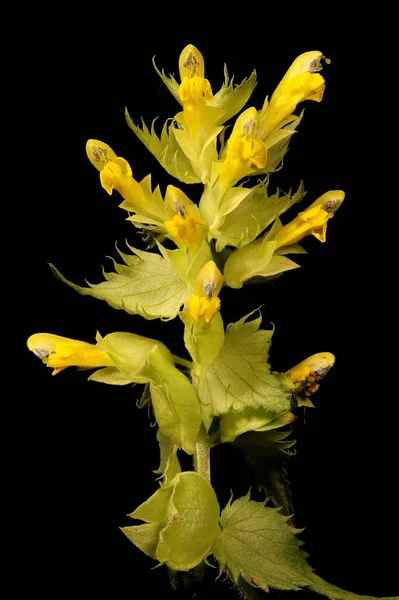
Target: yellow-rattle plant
x,y
225,392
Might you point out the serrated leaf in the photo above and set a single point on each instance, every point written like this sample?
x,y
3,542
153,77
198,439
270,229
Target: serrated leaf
x,y
203,153
253,215
240,376
145,537
258,545
147,285
234,424
231,98
110,375
170,82
192,523
175,403
214,212
278,150
165,149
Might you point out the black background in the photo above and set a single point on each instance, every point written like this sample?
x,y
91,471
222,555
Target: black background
x,y
84,451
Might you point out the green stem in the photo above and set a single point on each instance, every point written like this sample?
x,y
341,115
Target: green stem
x,y
182,361
202,458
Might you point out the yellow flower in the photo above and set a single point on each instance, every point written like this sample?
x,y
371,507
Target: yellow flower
x,y
312,221
204,303
195,91
184,224
244,149
306,375
301,82
61,352
115,173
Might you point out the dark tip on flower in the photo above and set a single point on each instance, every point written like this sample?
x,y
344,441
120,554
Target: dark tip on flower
x,y
322,372
180,209
209,289
191,64
100,154
41,352
331,206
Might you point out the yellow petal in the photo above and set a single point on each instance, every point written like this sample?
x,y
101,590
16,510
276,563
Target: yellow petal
x,y
308,62
208,281
194,92
306,374
312,221
184,218
99,153
60,352
191,62
203,308
246,124
244,149
118,175
301,82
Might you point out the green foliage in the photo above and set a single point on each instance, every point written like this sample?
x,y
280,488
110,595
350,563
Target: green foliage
x,y
147,284
184,515
240,376
165,149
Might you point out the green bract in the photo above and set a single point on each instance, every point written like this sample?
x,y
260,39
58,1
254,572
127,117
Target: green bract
x,y
183,522
240,376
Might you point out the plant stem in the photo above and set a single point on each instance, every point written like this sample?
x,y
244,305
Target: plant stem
x,y
202,459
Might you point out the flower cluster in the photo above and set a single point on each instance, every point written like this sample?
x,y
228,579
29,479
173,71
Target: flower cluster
x,y
232,237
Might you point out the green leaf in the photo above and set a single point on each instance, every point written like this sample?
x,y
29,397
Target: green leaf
x,y
145,537
165,149
248,262
170,82
214,211
258,545
256,212
251,419
175,403
278,264
147,285
174,399
153,213
155,509
240,376
110,375
131,354
203,341
192,523
203,154
278,148
231,98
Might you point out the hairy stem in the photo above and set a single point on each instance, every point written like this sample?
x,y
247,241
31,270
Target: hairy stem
x,y
202,462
